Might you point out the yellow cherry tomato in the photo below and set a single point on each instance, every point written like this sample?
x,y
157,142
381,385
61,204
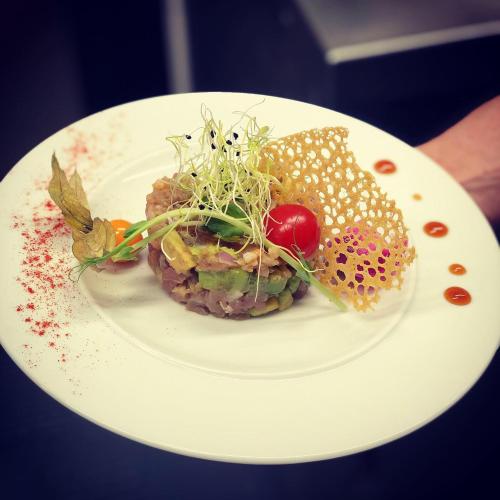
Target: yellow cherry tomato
x,y
120,226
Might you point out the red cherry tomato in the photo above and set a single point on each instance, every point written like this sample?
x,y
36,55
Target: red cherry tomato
x,y
120,226
295,228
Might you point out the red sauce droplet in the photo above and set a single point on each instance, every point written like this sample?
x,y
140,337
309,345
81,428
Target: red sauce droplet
x,y
457,296
417,197
385,167
457,269
436,229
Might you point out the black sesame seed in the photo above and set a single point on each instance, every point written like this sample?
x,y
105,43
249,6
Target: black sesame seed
x,y
213,146
212,134
201,206
194,174
237,153
224,150
188,137
229,143
235,135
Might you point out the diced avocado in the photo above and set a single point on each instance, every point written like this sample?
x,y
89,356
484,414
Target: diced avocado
x,y
285,299
275,284
210,250
177,252
252,285
271,305
293,284
272,285
232,280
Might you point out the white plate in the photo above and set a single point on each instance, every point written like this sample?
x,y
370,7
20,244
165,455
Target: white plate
x,y
305,384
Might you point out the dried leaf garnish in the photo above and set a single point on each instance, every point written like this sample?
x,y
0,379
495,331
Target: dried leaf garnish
x,y
91,237
75,182
94,243
70,199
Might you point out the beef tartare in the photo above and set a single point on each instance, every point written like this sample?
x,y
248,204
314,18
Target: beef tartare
x,y
226,279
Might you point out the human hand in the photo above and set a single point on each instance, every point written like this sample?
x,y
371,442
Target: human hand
x,y
470,152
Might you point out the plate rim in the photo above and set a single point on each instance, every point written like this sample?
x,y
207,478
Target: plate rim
x,y
230,458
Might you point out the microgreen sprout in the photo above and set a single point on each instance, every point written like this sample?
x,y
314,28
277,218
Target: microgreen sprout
x,y
227,174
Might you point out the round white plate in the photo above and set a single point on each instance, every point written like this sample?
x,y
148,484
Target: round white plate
x,y
305,384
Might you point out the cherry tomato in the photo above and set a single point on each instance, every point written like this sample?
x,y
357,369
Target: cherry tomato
x,y
120,227
295,228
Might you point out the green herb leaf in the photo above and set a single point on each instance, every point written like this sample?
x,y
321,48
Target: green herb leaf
x,y
225,229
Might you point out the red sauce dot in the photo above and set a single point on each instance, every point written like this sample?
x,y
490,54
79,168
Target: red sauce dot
x,y
457,296
436,229
385,167
457,269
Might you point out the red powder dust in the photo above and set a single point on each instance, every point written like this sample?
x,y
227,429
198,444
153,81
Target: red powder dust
x,y
45,248
44,279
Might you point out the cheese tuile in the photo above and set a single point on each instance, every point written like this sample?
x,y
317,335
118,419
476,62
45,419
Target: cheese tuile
x,y
364,245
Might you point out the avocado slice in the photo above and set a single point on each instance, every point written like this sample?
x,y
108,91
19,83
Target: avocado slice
x,y
293,284
252,284
177,252
285,299
232,280
275,284
271,305
210,250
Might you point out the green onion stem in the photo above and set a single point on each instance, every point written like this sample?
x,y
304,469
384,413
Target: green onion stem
x,y
161,232
194,212
180,212
316,283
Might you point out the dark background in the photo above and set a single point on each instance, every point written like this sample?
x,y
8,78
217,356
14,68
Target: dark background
x,y
61,61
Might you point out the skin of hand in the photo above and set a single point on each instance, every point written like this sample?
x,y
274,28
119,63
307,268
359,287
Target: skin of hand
x,y
470,152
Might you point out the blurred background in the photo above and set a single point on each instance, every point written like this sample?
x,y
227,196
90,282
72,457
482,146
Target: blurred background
x,y
412,68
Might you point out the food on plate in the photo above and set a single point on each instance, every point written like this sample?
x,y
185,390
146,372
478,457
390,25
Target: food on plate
x,y
248,223
227,276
